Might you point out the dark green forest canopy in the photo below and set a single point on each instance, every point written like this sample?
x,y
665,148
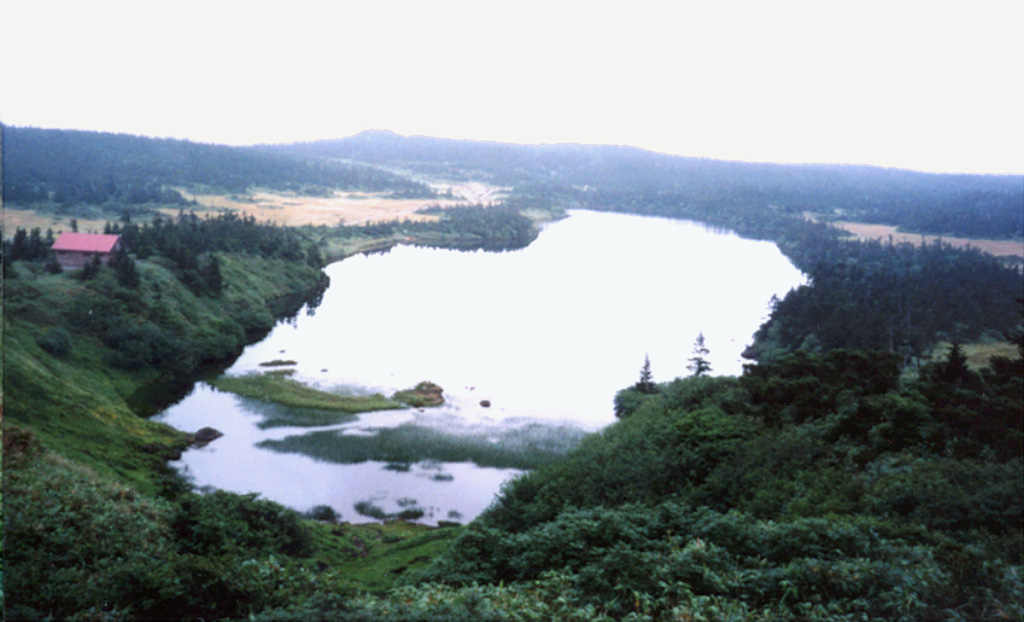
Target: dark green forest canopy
x,y
67,167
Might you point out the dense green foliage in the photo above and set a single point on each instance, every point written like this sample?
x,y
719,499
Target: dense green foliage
x,y
819,486
897,297
66,169
80,544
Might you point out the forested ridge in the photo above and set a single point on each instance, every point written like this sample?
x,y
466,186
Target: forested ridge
x,y
69,168
627,178
847,475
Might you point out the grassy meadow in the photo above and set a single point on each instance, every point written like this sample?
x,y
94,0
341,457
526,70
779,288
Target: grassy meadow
x,y
287,392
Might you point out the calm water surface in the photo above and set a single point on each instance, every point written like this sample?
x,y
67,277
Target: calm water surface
x,y
546,334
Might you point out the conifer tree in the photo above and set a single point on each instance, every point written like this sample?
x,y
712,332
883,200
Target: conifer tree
x,y
213,282
954,368
646,382
53,266
124,269
699,364
91,268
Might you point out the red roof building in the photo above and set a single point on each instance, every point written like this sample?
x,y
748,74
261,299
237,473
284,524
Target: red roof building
x,y
74,250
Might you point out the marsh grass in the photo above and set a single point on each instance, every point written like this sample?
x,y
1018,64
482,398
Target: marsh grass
x,y
368,508
525,447
281,416
410,510
287,392
278,363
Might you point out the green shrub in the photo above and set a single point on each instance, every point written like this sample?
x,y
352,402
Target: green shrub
x,y
627,401
324,513
652,455
56,341
668,557
221,522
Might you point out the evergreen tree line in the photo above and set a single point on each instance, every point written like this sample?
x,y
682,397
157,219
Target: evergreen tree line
x,y
488,227
191,242
896,297
28,245
862,294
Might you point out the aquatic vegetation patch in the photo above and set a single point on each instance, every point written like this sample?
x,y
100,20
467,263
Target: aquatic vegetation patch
x,y
524,447
281,416
288,392
278,363
410,510
368,508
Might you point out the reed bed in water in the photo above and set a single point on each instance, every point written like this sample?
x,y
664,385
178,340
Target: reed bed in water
x,y
523,447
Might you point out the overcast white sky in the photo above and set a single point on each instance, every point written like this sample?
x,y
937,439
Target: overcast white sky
x,y
928,85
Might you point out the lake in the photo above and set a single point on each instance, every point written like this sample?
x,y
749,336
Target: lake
x,y
546,335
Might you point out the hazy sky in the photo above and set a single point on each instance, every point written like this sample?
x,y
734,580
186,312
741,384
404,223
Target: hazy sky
x,y
929,85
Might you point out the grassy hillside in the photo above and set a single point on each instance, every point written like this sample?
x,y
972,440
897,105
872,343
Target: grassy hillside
x,y
78,351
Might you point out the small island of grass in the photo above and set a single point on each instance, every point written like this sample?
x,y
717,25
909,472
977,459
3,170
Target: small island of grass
x,y
278,363
281,390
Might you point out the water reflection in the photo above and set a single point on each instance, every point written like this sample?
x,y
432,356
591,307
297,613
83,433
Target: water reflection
x,y
544,334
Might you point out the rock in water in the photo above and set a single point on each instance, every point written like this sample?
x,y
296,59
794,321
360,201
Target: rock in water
x,y
204,435
485,403
425,393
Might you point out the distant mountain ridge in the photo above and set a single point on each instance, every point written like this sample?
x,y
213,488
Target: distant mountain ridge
x,y
67,167
83,167
951,204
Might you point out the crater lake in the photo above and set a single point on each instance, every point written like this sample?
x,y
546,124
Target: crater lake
x,y
529,346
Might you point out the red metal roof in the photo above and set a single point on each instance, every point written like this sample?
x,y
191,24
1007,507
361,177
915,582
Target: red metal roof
x,y
86,242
